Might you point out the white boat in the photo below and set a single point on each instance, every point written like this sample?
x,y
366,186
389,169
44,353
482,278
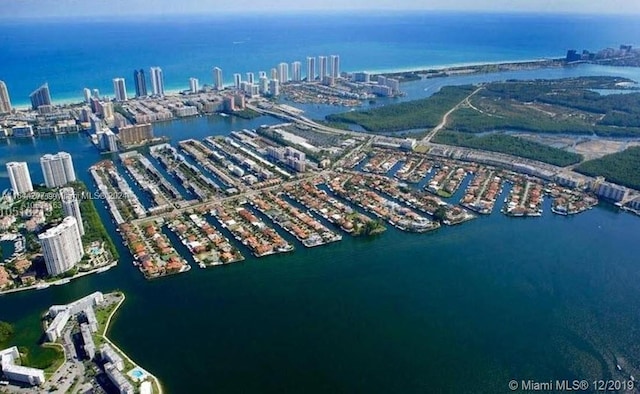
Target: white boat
x,y
42,286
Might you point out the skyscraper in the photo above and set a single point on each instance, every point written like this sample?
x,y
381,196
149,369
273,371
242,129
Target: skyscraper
x,y
71,206
262,74
273,73
62,246
311,69
5,102
86,92
296,71
283,72
322,67
194,85
157,81
40,96
96,94
57,169
335,66
274,88
19,177
218,83
119,89
237,80
250,77
263,85
141,83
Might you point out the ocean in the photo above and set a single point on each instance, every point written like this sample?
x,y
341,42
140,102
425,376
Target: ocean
x,y
72,54
463,309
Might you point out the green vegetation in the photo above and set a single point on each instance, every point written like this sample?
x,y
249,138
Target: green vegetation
x,y
504,143
48,357
6,333
335,125
372,227
440,214
406,76
621,168
94,228
551,106
424,113
548,106
245,114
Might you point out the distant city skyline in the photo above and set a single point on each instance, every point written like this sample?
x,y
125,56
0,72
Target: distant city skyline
x,y
74,8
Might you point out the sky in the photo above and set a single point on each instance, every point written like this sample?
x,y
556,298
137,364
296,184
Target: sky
x,y
84,8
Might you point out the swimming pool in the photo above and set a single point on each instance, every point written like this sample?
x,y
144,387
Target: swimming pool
x,y
138,374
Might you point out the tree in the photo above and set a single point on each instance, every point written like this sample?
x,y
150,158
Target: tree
x,y
6,331
440,214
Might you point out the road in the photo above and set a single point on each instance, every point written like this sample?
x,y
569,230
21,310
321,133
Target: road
x,y
305,121
445,117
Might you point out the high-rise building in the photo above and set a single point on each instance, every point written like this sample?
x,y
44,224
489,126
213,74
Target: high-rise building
x,y
87,95
62,246
296,71
263,85
157,81
273,73
237,80
283,72
96,94
135,134
71,206
262,74
250,78
218,83
274,88
141,83
119,89
335,65
57,169
19,177
5,102
194,85
311,69
322,67
107,140
40,96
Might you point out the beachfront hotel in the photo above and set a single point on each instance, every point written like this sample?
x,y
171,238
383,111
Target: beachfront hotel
x,y
5,102
40,96
57,169
323,69
157,81
140,83
335,65
19,177
218,83
311,69
62,246
283,72
119,89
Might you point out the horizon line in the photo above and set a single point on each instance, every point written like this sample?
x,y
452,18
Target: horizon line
x,y
318,12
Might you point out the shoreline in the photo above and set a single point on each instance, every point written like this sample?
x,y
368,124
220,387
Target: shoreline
x,y
60,282
76,100
125,355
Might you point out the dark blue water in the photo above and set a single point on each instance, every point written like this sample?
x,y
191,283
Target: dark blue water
x,y
461,309
73,54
